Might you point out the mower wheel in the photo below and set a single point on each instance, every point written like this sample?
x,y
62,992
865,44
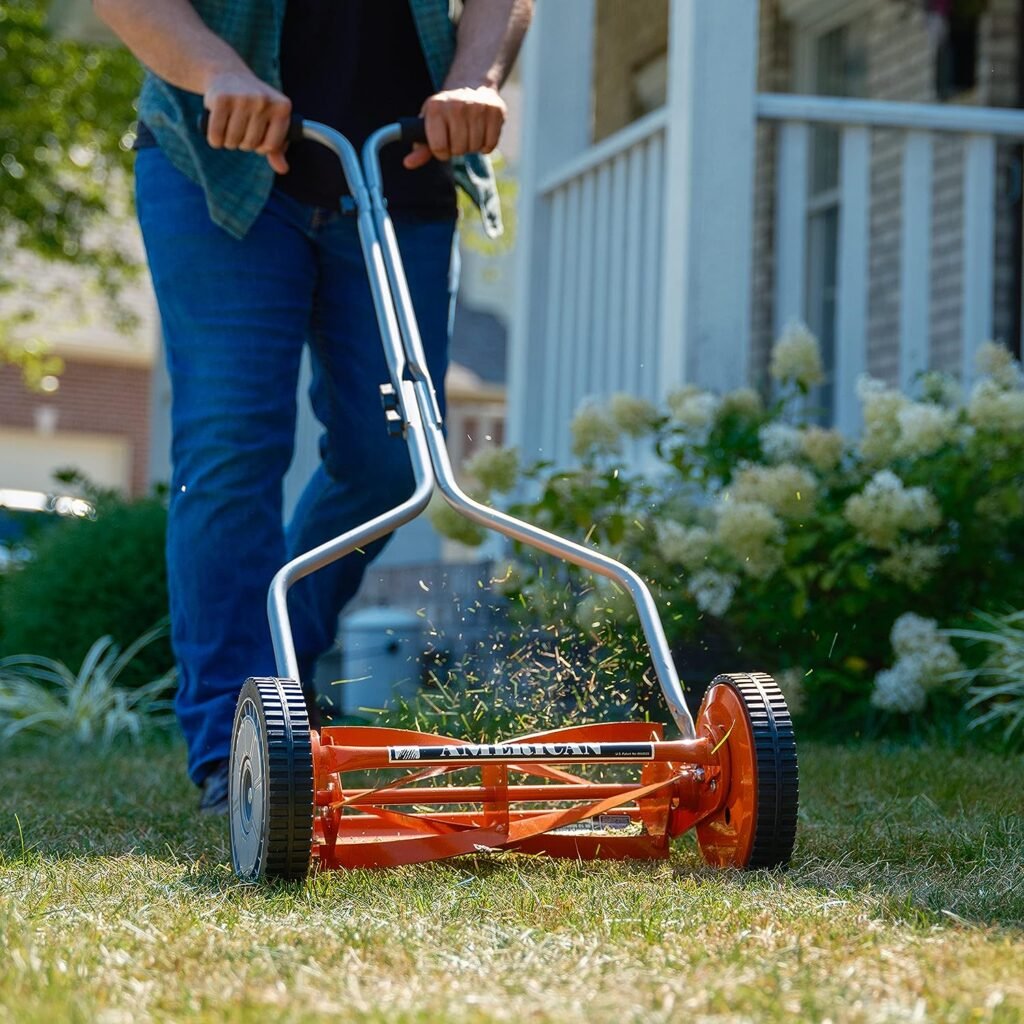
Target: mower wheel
x,y
755,826
271,782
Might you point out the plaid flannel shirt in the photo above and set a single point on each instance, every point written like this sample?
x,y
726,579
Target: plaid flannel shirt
x,y
237,185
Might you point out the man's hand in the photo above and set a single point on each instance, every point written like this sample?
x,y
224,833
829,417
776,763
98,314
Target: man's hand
x,y
459,121
247,114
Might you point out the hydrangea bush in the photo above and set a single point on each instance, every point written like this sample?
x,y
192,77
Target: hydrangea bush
x,y
798,549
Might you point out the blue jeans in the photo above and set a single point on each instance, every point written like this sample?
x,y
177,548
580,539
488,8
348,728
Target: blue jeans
x,y
236,315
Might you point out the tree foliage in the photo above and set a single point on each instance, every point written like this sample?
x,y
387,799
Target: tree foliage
x,y
65,109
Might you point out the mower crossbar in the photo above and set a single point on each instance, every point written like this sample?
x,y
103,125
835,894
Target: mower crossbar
x,y
551,810
456,754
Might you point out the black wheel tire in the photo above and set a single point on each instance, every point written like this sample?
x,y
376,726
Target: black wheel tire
x,y
776,770
270,789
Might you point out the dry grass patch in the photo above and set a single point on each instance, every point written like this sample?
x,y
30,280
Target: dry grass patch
x,y
906,901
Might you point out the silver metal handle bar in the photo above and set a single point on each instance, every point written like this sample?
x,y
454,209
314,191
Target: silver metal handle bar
x,y
419,452
429,455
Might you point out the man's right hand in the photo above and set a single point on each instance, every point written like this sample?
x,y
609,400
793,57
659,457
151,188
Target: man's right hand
x,y
247,114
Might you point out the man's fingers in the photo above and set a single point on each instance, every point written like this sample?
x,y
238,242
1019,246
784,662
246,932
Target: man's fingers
x,y
277,130
458,130
238,122
437,135
278,161
255,132
462,120
419,157
492,130
476,125
218,124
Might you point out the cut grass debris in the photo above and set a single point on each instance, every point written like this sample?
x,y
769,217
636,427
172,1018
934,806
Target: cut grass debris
x,y
905,902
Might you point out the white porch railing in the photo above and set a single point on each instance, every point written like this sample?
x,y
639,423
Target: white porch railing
x,y
598,321
598,233
980,129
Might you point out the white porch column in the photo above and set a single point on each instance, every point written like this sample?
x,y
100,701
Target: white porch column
x,y
557,75
709,213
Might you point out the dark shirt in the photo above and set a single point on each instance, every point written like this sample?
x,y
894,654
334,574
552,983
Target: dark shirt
x,y
355,65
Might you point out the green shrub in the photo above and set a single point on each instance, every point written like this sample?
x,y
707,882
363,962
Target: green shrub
x,y
42,696
89,578
796,546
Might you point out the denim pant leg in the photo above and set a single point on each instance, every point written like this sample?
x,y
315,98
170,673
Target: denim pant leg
x,y
364,470
235,318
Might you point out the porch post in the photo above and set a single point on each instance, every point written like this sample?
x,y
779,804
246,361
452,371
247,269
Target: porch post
x,y
557,92
712,94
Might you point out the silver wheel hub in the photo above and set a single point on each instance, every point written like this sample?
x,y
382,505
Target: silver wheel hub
x,y
248,794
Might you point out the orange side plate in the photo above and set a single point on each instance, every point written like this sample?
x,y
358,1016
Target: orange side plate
x,y
525,794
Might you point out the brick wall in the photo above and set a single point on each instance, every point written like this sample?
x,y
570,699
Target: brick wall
x,y
93,398
774,75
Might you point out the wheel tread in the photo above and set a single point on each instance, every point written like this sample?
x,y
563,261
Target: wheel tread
x,y
288,829
777,767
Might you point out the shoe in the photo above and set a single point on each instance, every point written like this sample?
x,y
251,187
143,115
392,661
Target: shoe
x,y
214,797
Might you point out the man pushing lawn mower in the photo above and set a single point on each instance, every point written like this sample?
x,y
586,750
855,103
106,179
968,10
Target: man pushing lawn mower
x,y
254,254
241,288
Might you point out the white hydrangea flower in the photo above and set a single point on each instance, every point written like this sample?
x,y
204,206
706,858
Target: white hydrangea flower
x,y
924,428
752,534
780,441
594,432
996,361
941,389
689,546
919,642
881,408
822,448
868,386
885,509
913,634
635,417
791,683
995,409
787,490
692,407
912,564
742,402
713,591
496,468
796,357
898,689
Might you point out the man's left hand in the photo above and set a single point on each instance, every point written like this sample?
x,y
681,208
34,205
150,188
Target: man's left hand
x,y
459,121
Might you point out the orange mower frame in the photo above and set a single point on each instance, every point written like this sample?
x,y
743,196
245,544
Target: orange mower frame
x,y
299,797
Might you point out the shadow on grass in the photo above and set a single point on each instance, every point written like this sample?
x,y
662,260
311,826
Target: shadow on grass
x,y
923,837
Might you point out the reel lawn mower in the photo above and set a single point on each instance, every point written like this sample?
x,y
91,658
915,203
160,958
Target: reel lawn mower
x,y
301,796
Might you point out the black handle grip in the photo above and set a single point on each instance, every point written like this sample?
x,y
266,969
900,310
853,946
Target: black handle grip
x,y
414,129
294,128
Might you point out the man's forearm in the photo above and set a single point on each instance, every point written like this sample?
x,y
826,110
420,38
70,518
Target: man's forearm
x,y
490,34
170,38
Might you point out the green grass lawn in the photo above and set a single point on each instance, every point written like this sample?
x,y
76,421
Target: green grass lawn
x,y
905,902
